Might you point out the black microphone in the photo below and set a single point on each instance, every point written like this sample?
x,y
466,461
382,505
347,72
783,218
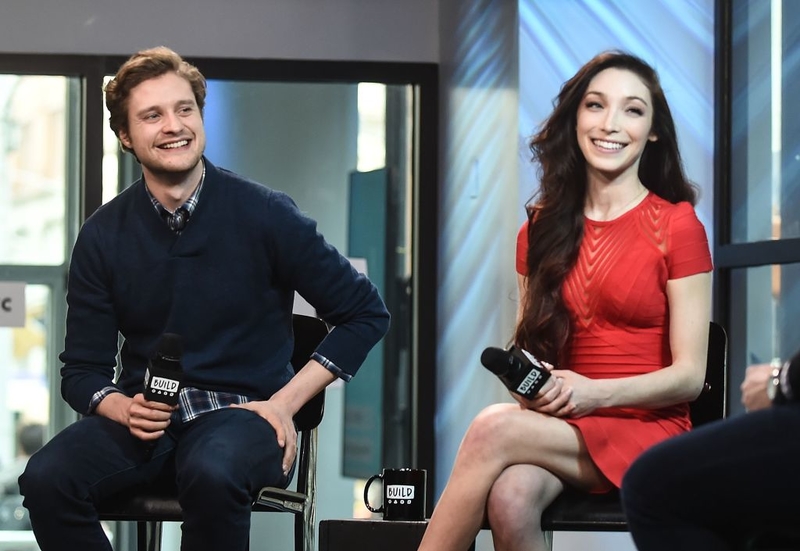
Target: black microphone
x,y
519,370
162,380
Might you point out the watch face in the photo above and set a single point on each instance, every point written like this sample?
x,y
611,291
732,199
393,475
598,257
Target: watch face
x,y
772,384
771,389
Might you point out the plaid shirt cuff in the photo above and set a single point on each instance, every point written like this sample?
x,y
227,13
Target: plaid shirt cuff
x,y
98,397
332,367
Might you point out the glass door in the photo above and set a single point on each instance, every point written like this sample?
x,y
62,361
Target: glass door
x,y
38,214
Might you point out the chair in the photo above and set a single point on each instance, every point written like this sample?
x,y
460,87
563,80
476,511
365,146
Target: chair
x,y
150,507
581,512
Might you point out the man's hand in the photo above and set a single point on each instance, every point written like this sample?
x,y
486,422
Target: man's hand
x,y
279,416
754,387
148,420
145,420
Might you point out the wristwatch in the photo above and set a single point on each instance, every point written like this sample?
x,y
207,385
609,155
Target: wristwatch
x,y
774,383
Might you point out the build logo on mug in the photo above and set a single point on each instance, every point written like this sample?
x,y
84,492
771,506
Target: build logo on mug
x,y
403,494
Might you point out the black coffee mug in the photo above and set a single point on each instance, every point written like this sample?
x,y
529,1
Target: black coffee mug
x,y
403,494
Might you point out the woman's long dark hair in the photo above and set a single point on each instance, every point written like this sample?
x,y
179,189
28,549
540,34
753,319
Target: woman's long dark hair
x,y
556,216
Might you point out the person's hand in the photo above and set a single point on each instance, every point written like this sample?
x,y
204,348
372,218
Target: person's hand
x,y
280,418
583,395
145,420
552,399
569,396
148,420
754,387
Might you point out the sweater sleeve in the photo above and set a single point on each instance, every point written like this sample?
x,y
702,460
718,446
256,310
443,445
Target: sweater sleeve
x,y
790,380
90,347
342,297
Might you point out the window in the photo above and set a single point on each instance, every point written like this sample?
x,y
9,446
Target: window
x,y
38,215
759,225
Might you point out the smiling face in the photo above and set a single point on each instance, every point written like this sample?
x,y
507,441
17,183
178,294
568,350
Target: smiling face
x,y
165,128
614,124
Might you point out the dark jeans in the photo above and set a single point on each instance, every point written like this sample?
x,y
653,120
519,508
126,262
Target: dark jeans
x,y
218,461
707,489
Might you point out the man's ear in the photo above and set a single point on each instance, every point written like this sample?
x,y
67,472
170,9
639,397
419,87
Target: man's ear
x,y
124,138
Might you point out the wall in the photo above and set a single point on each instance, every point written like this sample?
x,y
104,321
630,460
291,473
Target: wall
x,y
675,36
478,213
300,138
385,30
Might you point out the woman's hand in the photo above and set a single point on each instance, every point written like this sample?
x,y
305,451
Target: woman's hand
x,y
552,399
584,393
570,395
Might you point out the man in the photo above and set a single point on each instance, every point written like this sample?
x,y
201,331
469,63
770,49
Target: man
x,y
711,488
199,251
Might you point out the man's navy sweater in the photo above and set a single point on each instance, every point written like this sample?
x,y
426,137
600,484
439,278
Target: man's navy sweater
x,y
226,284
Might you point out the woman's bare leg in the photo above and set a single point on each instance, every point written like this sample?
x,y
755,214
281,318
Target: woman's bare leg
x,y
500,436
516,502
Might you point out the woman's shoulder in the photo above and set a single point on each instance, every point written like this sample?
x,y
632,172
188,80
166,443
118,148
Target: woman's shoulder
x,y
681,213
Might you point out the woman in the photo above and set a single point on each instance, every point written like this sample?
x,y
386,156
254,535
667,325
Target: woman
x,y
614,280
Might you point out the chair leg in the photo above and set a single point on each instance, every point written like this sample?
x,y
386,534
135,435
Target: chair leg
x,y
141,536
148,536
548,539
304,521
304,528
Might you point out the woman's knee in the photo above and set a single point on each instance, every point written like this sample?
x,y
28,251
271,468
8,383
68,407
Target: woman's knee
x,y
488,430
518,497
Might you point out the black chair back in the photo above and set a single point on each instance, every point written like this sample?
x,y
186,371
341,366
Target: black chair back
x,y
712,402
308,333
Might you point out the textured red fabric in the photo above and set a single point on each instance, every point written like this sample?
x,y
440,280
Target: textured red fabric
x,y
616,293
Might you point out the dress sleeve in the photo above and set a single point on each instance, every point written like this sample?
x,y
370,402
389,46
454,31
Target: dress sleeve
x,y
688,245
522,249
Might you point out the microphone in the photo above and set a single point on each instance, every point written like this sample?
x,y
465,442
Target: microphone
x,y
162,380
519,370
164,374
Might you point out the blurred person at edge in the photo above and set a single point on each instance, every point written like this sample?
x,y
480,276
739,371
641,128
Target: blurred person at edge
x,y
715,487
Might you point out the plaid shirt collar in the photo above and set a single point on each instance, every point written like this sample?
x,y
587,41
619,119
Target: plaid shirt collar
x,y
188,206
